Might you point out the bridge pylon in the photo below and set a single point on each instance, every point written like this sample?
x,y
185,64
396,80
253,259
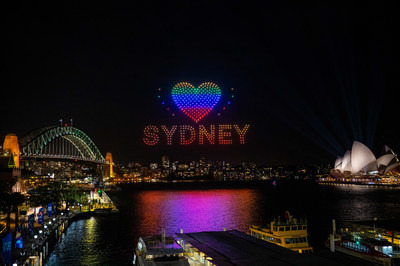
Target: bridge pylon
x,y
109,164
11,147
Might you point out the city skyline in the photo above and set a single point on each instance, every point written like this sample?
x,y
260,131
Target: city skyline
x,y
308,79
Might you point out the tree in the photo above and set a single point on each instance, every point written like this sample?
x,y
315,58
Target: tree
x,y
17,199
72,194
56,192
43,195
39,196
9,201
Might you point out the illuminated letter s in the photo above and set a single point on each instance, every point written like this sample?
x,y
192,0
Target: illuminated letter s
x,y
151,135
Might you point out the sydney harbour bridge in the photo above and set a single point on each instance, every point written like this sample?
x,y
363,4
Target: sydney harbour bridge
x,y
57,143
60,143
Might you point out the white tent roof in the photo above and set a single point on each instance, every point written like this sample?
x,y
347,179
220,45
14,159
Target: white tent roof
x,y
346,164
392,166
338,163
385,159
362,158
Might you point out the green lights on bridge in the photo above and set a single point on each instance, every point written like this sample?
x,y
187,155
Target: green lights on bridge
x,y
35,143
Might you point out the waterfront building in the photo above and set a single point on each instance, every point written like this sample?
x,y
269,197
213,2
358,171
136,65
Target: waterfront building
x,y
233,247
360,165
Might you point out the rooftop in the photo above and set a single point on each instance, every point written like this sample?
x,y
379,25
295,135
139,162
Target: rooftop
x,y
158,245
237,248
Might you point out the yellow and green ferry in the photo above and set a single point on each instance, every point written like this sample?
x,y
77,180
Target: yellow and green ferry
x,y
288,233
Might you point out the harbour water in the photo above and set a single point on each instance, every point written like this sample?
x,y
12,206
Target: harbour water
x,y
111,240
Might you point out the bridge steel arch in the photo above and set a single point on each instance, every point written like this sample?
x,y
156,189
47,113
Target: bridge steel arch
x,y
34,143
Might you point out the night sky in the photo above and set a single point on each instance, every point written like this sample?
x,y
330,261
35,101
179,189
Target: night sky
x,y
308,78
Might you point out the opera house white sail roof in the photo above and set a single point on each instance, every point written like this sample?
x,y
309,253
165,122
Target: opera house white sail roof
x,y
360,159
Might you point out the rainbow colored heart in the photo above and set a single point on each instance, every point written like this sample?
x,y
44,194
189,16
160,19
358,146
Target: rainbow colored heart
x,y
196,103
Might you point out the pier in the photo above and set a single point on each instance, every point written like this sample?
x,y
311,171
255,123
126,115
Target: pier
x,y
38,246
233,247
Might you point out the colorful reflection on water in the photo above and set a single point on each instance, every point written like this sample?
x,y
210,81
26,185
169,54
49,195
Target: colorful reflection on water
x,y
195,211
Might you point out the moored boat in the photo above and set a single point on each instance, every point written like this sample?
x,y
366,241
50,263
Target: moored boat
x,y
366,245
289,233
159,250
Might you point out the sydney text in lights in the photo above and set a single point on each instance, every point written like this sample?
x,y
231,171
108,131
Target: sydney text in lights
x,y
200,134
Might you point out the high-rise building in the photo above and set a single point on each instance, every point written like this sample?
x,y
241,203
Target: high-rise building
x,y
165,162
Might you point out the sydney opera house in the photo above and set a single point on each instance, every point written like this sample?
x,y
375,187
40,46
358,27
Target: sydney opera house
x,y
360,165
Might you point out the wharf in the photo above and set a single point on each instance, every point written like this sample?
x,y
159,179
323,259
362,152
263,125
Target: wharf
x,y
37,250
233,247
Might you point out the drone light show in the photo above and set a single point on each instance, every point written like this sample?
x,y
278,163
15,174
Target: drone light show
x,y
195,103
188,134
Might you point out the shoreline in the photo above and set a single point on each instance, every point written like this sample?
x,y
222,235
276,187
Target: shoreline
x,y
37,251
358,183
198,185
206,185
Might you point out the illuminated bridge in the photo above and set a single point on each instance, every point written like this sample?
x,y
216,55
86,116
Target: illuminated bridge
x,y
60,142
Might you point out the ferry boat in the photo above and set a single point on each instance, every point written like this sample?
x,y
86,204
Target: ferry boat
x,y
159,250
367,245
289,233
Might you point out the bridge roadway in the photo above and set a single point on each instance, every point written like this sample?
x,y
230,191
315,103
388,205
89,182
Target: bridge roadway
x,y
61,157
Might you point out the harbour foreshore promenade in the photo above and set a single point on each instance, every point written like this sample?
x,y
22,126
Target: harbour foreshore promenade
x,y
37,246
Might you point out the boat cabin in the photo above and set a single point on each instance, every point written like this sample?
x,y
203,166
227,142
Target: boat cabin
x,y
289,234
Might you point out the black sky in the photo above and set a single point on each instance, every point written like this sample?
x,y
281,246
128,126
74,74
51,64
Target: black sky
x,y
309,78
